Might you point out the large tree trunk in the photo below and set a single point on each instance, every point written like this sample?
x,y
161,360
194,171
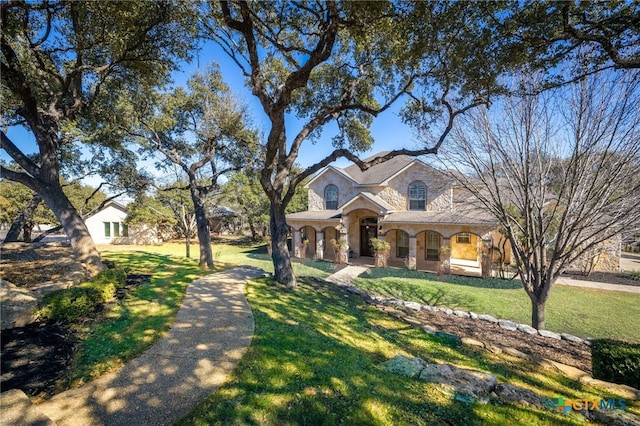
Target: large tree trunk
x,y
202,225
23,218
283,271
75,228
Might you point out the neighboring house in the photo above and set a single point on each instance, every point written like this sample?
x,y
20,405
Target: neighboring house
x,y
427,220
107,226
219,217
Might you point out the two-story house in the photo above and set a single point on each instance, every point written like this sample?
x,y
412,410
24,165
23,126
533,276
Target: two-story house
x,y
427,220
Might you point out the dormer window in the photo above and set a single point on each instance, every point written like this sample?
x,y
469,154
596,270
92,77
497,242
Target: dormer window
x,y
417,196
331,197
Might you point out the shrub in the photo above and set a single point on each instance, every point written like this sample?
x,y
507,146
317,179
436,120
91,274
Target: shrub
x,y
115,276
69,304
74,303
106,290
616,361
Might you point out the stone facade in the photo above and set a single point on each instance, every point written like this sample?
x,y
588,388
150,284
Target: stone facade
x,y
379,198
331,177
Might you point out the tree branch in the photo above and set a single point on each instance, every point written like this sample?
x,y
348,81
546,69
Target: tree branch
x,y
18,156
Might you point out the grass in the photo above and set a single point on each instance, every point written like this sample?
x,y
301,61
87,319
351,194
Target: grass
x,y
315,359
578,311
128,327
316,353
236,251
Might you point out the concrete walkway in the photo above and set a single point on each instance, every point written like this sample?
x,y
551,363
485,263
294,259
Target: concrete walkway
x,y
212,331
598,285
346,275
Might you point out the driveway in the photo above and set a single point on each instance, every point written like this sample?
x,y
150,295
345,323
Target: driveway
x,y
630,262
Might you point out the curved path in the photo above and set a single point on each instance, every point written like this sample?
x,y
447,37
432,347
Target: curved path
x,y
212,331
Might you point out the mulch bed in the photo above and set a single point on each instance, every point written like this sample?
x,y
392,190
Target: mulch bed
x,y
603,277
574,354
35,357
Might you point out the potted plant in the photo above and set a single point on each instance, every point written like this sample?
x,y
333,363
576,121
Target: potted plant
x,y
341,247
381,249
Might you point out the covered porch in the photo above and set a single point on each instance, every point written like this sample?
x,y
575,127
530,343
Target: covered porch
x,y
441,242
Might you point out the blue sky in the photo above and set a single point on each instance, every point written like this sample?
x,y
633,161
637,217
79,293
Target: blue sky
x,y
387,129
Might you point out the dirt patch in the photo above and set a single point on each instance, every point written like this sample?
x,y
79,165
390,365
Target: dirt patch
x,y
27,265
35,358
574,354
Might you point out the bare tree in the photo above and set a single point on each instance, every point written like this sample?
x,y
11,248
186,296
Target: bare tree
x,y
559,171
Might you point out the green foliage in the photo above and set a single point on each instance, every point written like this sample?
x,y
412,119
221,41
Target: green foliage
x,y
150,211
379,244
69,304
243,193
616,361
116,276
76,303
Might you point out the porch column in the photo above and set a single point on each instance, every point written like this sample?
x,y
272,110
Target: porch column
x,y
445,256
319,245
297,242
342,237
486,256
413,250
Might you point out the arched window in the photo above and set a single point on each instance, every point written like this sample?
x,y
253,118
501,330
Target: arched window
x,y
331,197
417,196
402,244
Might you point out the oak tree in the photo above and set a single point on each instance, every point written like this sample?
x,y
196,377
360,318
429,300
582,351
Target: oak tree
x,y
347,62
202,130
62,65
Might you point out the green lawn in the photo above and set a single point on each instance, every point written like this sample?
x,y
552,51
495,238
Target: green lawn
x,y
130,326
578,311
316,353
239,251
315,359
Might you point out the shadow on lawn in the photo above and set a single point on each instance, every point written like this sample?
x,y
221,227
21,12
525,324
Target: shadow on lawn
x,y
495,283
315,359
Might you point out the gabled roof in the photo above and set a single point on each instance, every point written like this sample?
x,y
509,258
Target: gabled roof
x,y
110,203
380,172
337,170
382,206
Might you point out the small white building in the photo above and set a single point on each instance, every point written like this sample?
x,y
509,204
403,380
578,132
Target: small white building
x,y
107,226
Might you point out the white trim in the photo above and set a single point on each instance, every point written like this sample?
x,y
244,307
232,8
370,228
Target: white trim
x,y
325,170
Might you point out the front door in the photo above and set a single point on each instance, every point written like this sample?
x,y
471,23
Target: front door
x,y
368,230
